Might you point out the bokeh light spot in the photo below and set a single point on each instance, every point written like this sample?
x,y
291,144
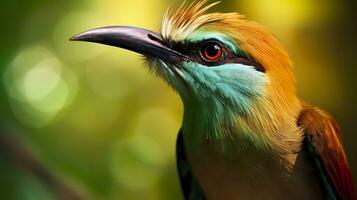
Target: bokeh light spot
x,y
40,81
39,85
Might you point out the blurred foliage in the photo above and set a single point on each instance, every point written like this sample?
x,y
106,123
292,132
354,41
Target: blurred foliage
x,y
103,125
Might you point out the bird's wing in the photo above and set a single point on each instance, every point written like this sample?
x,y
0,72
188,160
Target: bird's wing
x,y
189,185
323,138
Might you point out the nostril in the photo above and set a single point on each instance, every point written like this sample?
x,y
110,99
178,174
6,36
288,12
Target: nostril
x,y
152,37
156,39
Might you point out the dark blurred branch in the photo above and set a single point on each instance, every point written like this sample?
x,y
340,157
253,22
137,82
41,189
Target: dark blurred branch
x,y
21,156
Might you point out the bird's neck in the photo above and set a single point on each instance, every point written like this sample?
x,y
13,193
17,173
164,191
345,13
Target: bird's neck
x,y
215,123
229,132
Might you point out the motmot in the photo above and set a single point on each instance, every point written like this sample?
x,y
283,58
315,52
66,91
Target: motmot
x,y
245,134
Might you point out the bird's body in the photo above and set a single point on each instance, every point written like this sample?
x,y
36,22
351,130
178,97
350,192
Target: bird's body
x,y
253,176
240,169
245,134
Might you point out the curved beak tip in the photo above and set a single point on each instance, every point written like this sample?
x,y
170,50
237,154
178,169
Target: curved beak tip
x,y
74,38
79,37
88,36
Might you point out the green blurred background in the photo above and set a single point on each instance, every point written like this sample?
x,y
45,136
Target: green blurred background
x,y
90,121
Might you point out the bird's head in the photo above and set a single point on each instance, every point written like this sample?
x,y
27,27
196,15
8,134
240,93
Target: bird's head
x,y
213,59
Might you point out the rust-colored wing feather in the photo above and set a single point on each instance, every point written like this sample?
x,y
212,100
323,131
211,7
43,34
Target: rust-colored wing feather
x,y
323,137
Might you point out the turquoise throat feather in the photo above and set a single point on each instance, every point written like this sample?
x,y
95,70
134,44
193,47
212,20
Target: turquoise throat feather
x,y
218,114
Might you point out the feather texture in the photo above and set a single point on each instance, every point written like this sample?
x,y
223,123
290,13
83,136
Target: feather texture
x,y
323,136
178,24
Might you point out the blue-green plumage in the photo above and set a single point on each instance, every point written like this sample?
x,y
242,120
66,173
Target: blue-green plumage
x,y
219,99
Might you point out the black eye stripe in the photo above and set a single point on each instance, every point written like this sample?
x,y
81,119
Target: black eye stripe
x,y
193,51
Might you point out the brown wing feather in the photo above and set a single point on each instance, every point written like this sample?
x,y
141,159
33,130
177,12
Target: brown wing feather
x,y
323,135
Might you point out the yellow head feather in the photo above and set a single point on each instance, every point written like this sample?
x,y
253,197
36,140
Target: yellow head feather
x,y
178,24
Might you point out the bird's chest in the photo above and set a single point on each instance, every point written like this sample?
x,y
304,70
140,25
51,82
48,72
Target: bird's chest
x,y
235,176
249,175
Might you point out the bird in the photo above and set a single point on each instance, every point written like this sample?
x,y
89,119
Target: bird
x,y
245,133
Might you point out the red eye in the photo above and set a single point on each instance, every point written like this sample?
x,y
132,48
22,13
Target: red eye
x,y
211,51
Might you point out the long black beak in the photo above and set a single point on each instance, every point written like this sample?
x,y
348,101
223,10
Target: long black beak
x,y
135,39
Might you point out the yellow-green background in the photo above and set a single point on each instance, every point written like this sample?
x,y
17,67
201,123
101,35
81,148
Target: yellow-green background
x,y
101,123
